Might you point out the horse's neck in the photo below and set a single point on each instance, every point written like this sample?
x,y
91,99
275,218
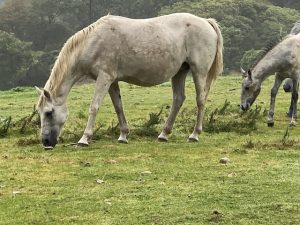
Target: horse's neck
x,y
266,67
62,89
65,88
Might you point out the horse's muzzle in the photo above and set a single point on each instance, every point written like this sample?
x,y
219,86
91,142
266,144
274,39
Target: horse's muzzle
x,y
245,106
49,141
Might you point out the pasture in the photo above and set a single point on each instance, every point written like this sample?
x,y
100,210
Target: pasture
x,y
146,182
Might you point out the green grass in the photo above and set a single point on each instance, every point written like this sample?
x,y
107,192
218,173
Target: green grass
x,y
146,182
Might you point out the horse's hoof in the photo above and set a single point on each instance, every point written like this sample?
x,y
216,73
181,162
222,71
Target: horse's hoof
x,y
270,124
162,139
82,144
193,140
48,148
292,124
123,141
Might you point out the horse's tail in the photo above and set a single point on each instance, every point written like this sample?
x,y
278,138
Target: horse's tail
x,y
217,66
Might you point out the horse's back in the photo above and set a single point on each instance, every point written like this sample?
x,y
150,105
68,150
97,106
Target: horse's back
x,y
288,53
150,51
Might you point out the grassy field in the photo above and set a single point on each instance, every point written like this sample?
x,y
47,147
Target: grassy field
x,y
146,182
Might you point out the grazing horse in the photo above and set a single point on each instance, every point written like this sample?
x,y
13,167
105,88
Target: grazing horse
x,y
143,52
284,59
287,86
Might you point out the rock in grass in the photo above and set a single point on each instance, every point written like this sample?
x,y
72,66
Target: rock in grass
x,y
111,161
16,193
145,173
224,160
85,163
98,181
233,174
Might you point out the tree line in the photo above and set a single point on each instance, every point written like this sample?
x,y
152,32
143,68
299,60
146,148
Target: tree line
x,y
33,31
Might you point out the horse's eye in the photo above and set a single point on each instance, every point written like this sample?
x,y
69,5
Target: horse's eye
x,y
247,88
48,114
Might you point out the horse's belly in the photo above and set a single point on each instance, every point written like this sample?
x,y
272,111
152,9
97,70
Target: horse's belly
x,y
149,71
146,78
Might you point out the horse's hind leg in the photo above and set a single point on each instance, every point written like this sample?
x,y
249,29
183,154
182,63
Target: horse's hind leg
x,y
115,96
290,112
201,94
274,90
295,101
287,87
103,84
178,87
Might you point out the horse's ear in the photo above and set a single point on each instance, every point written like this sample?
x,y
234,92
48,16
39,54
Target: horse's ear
x,y
39,91
244,73
47,95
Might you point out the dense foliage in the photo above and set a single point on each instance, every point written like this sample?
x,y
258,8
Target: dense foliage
x,y
246,24
15,57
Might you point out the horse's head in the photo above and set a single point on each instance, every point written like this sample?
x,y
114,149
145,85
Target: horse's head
x,y
53,117
250,90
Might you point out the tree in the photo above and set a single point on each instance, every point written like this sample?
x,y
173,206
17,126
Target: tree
x,y
294,4
14,17
36,21
249,58
15,58
39,71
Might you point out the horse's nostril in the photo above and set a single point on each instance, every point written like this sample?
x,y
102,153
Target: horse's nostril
x,y
245,107
46,142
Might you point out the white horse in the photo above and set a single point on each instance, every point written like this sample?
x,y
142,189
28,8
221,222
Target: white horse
x,y
144,52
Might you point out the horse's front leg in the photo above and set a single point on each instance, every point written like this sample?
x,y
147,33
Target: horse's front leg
x,y
294,101
115,96
103,83
274,90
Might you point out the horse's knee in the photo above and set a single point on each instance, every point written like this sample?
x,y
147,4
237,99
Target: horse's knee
x,y
273,92
295,95
179,99
200,103
93,110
